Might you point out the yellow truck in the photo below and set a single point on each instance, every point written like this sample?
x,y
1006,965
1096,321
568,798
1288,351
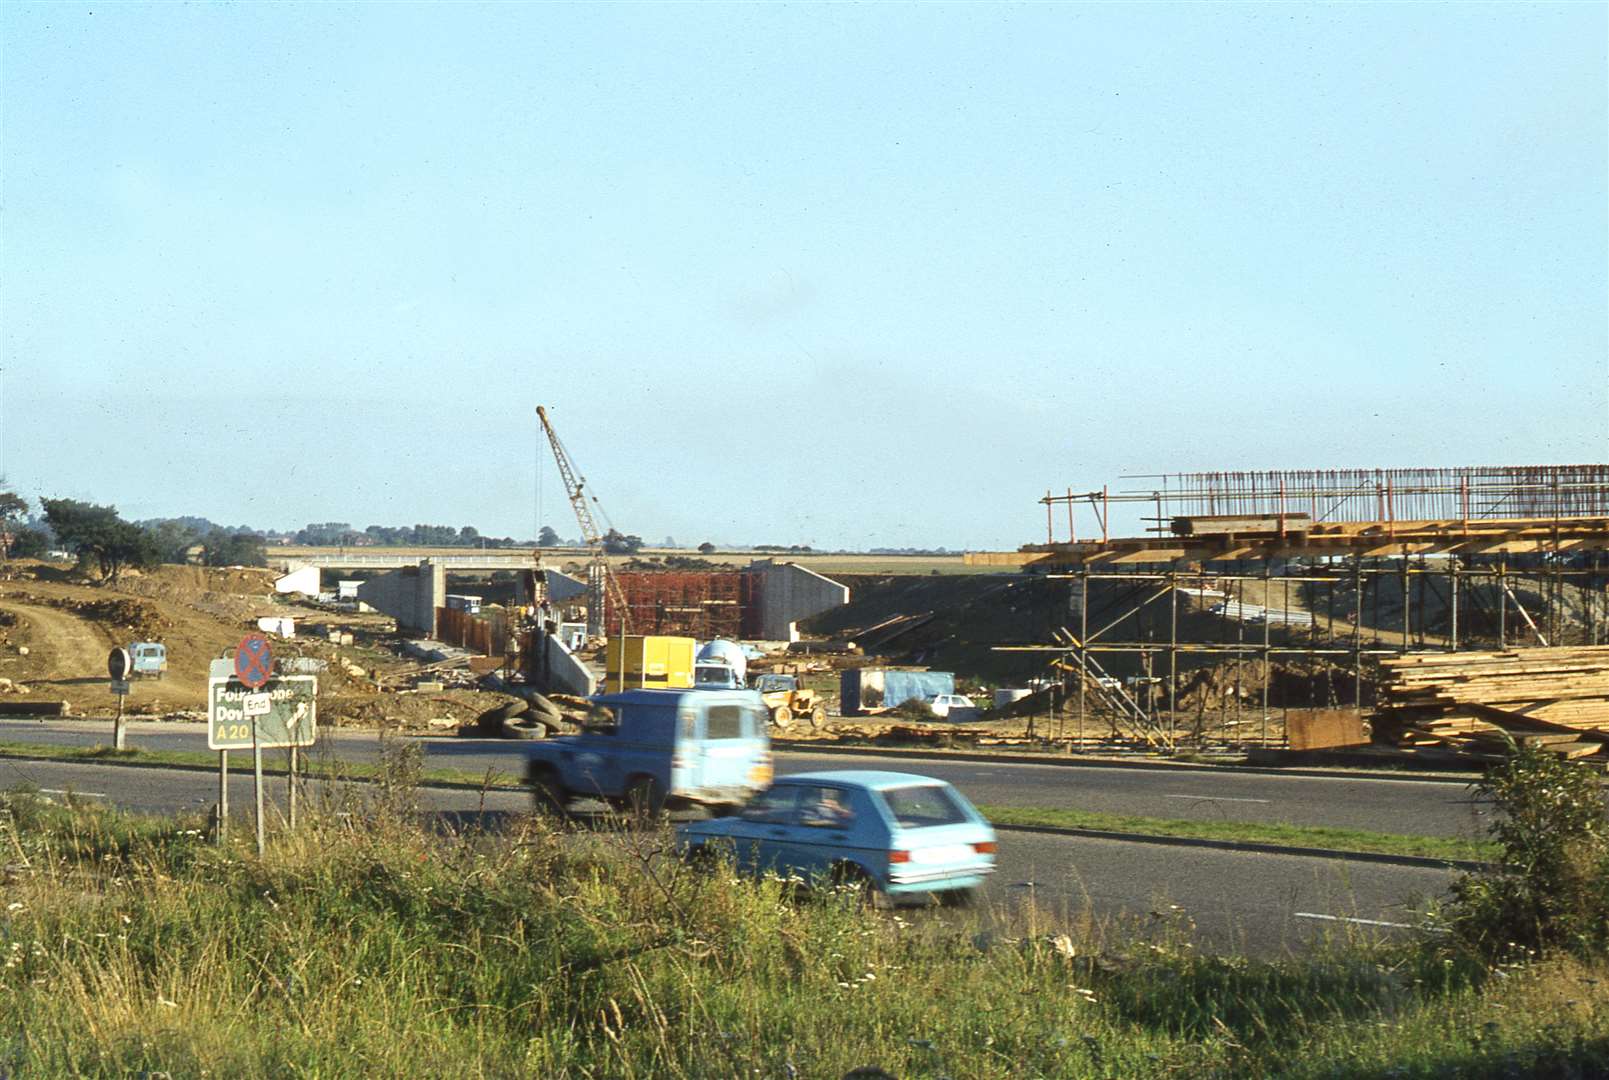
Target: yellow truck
x,y
647,662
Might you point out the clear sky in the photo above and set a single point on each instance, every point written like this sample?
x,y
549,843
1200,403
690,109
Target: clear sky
x,y
844,275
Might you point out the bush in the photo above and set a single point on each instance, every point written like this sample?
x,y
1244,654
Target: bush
x,y
1551,891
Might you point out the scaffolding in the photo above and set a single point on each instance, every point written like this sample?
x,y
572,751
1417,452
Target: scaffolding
x,y
1309,578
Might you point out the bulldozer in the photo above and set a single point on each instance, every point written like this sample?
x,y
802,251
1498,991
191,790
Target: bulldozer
x,y
787,702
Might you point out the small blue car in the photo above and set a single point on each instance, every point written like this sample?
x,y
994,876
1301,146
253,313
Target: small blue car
x,y
898,834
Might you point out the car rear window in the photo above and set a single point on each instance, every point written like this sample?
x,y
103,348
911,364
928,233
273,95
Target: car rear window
x,y
919,807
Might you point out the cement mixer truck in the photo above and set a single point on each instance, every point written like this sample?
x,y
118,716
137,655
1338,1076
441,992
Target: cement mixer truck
x,y
720,665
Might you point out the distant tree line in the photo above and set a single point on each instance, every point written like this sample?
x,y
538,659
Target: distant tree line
x,y
104,542
342,534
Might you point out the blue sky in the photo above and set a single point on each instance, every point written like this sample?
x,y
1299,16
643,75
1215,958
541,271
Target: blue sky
x,y
845,275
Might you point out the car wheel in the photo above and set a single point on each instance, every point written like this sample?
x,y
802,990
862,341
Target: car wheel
x,y
818,717
645,798
782,717
852,879
701,859
548,796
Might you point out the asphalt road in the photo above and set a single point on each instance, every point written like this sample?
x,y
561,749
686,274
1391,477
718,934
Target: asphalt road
x,y
1410,807
1255,903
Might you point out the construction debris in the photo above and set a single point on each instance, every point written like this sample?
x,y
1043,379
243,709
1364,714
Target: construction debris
x,y
1556,698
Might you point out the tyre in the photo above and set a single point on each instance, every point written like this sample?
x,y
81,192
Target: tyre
x,y
782,717
645,798
524,727
818,717
547,793
541,706
852,879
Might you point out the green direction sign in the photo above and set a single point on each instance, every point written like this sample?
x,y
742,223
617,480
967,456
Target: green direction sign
x,y
284,712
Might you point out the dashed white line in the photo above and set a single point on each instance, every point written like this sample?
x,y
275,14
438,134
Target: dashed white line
x,y
60,791
1349,919
1215,798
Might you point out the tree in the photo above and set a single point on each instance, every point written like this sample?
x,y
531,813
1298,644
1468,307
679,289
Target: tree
x,y
617,543
29,543
13,512
235,549
547,537
97,533
172,539
706,548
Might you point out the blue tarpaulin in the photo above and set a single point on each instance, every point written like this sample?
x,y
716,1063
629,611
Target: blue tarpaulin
x,y
866,690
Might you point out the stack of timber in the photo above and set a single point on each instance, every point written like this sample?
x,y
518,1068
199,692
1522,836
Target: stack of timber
x,y
1476,702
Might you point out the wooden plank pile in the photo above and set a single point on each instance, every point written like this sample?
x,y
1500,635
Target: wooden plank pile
x,y
1557,698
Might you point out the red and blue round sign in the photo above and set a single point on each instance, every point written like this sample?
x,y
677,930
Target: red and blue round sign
x,y
254,661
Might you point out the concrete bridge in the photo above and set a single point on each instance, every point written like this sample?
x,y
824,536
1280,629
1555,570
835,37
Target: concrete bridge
x,y
467,560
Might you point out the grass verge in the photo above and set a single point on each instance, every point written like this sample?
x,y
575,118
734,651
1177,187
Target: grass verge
x,y
369,945
1311,836
315,764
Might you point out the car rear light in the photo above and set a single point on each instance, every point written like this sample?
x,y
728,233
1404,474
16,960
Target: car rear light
x,y
899,856
985,848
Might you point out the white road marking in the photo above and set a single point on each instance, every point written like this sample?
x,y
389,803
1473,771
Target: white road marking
x,y
60,791
1360,922
1215,798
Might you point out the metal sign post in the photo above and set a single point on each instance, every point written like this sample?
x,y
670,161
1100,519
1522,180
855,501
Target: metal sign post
x,y
118,666
254,663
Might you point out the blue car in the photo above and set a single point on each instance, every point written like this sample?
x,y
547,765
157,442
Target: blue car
x,y
897,834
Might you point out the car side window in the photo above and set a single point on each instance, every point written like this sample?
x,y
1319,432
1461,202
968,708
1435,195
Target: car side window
x,y
825,807
773,806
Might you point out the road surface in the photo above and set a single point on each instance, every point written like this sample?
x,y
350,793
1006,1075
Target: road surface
x,y
1414,807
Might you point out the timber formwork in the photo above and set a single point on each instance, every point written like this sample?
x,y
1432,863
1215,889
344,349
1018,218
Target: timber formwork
x,y
1316,572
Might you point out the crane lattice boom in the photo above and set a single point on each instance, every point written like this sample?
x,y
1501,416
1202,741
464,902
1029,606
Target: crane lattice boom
x,y
574,484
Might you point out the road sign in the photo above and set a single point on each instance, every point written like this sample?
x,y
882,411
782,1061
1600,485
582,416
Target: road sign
x,y
120,686
119,664
254,661
290,720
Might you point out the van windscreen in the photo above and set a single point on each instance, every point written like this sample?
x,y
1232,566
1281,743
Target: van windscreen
x,y
724,722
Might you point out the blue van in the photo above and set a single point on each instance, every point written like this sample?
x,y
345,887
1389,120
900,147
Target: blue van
x,y
653,750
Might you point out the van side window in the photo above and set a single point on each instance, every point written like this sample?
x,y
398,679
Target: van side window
x,y
723,722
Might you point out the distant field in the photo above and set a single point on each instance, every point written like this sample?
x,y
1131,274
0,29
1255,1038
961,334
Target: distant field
x,y
842,563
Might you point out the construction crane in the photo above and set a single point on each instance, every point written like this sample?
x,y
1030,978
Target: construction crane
x,y
601,581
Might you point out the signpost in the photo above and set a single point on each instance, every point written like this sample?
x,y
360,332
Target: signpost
x,y
118,666
249,708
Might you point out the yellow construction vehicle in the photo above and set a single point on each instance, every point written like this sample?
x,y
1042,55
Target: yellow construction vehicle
x,y
786,701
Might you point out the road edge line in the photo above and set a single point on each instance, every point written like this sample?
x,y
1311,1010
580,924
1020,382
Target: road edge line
x,y
789,746
1254,846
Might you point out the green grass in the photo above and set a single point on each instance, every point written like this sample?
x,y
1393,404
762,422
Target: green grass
x,y
1431,847
314,763
375,947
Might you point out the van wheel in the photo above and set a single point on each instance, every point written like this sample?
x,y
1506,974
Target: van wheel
x,y
645,798
549,797
782,717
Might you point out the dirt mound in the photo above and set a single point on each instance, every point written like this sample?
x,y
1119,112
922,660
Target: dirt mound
x,y
407,710
136,619
232,595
